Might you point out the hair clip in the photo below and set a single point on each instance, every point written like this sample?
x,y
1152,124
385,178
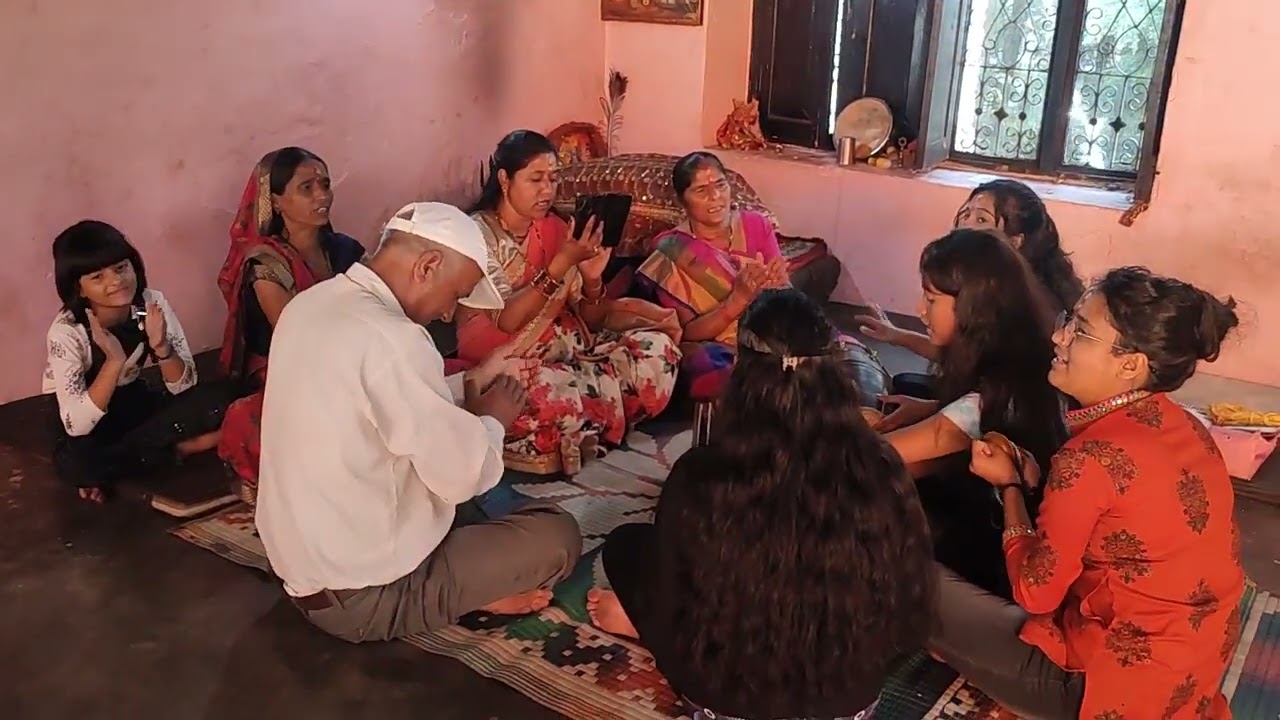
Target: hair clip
x,y
789,362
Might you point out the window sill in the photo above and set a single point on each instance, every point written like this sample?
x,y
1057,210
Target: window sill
x,y
1108,196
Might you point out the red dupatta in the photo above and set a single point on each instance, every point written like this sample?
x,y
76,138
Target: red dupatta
x,y
249,239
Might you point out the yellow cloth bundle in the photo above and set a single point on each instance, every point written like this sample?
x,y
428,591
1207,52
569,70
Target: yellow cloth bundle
x,y
1228,415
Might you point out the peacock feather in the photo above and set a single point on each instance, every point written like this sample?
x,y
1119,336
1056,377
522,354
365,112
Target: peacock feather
x,y
612,107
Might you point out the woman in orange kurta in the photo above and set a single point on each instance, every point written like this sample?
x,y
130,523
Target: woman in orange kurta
x,y
1128,588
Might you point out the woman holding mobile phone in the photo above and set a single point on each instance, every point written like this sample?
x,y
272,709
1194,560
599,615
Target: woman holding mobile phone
x,y
605,364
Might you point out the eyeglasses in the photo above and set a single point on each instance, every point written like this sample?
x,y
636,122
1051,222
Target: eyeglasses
x,y
1067,324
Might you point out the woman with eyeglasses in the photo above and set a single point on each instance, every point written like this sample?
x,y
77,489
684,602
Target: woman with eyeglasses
x,y
1128,586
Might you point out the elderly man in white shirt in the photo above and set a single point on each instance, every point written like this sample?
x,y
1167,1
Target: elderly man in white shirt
x,y
368,449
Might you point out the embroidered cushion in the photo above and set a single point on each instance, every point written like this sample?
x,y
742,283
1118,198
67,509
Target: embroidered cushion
x,y
646,177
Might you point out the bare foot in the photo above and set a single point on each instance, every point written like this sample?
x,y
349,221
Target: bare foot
x,y
607,614
522,604
198,444
93,495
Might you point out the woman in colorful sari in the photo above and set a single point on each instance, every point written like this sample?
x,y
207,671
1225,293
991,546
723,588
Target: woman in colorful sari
x,y
709,269
1128,584
605,364
281,244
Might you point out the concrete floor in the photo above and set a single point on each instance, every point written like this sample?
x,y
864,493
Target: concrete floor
x,y
106,615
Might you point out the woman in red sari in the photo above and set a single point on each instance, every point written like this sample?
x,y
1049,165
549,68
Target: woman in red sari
x,y
1128,587
281,244
604,364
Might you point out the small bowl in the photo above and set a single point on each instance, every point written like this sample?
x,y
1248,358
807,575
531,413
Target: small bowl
x,y
872,416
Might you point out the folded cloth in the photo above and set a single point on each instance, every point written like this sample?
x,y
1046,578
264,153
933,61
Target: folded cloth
x,y
1244,451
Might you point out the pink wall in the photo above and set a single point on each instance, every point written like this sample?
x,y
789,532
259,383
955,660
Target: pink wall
x,y
663,108
149,115
683,79
1215,220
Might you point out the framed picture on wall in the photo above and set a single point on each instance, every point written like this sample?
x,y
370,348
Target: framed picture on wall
x,y
663,12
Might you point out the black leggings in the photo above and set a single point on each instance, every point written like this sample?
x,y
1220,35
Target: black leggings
x,y
138,433
627,554
967,526
964,518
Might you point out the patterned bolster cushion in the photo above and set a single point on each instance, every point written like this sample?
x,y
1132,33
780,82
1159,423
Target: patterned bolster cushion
x,y
813,269
646,177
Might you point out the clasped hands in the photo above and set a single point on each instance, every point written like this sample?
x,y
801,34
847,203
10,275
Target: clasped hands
x,y
498,386
755,274
155,327
998,461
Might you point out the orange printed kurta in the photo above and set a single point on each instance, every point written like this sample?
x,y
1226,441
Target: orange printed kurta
x,y
1134,574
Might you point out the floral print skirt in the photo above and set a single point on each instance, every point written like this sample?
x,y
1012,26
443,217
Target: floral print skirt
x,y
583,395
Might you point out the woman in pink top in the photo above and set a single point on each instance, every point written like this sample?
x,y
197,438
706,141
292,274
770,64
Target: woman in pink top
x,y
710,268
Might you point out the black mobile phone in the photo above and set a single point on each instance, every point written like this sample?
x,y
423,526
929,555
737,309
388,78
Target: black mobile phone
x,y
583,210
611,209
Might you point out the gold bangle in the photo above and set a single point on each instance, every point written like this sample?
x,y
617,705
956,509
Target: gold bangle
x,y
1016,531
545,284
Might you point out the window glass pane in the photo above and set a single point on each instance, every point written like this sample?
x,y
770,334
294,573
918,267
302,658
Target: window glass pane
x,y
1003,85
1118,46
835,68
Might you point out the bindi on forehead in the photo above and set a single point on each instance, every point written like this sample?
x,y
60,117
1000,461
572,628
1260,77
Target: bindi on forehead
x,y
542,163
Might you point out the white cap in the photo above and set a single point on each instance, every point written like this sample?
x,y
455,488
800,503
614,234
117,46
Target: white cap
x,y
448,226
